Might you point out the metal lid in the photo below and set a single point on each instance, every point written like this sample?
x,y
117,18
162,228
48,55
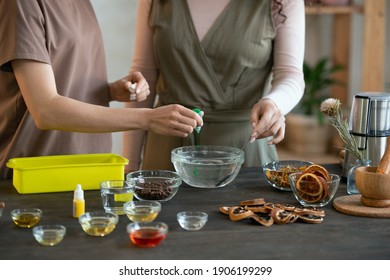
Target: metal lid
x,y
370,114
374,95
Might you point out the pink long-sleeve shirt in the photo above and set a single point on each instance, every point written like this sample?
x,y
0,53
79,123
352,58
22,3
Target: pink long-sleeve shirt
x,y
287,83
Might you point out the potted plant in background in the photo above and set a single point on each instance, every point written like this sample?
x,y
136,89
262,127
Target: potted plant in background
x,y
306,129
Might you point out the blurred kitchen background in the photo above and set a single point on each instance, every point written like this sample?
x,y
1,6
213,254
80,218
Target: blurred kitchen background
x,y
354,36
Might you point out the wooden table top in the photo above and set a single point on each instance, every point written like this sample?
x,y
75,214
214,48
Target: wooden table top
x,y
339,236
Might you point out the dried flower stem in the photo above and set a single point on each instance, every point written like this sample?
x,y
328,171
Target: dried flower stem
x,y
332,108
341,126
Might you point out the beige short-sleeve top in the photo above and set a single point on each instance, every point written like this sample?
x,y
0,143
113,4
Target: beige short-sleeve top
x,y
66,35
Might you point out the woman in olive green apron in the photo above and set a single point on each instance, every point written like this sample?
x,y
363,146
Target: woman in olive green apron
x,y
225,75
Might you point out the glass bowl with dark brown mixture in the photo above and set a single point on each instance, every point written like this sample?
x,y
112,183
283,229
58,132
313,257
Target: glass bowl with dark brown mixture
x,y
155,185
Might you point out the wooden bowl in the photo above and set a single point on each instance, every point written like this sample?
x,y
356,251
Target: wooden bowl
x,y
374,187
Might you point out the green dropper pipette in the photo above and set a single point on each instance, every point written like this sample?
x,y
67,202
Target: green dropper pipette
x,y
199,112
196,135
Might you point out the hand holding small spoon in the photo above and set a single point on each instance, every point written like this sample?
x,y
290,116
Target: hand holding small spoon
x,y
251,139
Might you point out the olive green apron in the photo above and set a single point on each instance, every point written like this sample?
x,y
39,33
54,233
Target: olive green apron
x,y
225,74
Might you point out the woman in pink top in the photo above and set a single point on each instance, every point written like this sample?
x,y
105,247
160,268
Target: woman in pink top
x,y
54,94
238,61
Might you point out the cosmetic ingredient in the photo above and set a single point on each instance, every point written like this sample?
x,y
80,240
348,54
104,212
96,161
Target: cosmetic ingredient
x,y
78,202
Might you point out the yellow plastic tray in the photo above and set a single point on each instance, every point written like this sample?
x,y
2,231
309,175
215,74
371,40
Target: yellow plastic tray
x,y
62,173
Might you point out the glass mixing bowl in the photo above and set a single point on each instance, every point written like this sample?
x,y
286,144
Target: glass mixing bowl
x,y
207,166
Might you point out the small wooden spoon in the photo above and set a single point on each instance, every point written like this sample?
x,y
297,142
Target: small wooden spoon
x,y
384,164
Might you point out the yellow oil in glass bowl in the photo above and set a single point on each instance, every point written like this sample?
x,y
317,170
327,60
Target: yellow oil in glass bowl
x,y
27,217
49,235
142,211
98,223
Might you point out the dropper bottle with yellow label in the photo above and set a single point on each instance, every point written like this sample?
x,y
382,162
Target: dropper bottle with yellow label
x,y
78,202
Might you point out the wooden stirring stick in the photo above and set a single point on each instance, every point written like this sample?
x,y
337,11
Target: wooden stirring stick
x,y
384,164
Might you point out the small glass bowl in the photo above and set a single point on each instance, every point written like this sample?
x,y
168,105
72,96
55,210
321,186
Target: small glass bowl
x,y
154,185
98,223
276,172
142,211
26,217
323,195
49,235
192,220
147,235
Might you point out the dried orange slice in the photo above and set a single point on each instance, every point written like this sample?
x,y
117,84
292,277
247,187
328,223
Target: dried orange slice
x,y
325,193
318,170
253,202
237,213
310,184
310,198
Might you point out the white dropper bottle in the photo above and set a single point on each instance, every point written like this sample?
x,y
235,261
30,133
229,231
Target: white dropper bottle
x,y
78,202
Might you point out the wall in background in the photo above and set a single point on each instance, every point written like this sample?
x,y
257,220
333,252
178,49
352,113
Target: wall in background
x,y
319,44
117,21
387,61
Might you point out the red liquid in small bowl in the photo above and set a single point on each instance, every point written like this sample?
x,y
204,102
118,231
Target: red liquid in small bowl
x,y
147,237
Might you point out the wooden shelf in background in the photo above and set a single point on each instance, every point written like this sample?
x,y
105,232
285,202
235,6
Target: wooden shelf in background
x,y
317,10
373,43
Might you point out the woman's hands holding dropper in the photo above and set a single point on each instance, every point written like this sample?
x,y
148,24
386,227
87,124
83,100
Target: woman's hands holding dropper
x,y
174,119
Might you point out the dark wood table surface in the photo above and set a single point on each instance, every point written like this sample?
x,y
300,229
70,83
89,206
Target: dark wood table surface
x,y
339,236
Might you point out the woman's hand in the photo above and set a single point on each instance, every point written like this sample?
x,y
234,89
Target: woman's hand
x,y
121,89
175,120
267,120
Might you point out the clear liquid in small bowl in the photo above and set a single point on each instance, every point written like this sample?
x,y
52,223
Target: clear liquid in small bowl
x,y
191,222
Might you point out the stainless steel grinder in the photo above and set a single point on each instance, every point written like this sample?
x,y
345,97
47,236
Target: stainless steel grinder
x,y
369,123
